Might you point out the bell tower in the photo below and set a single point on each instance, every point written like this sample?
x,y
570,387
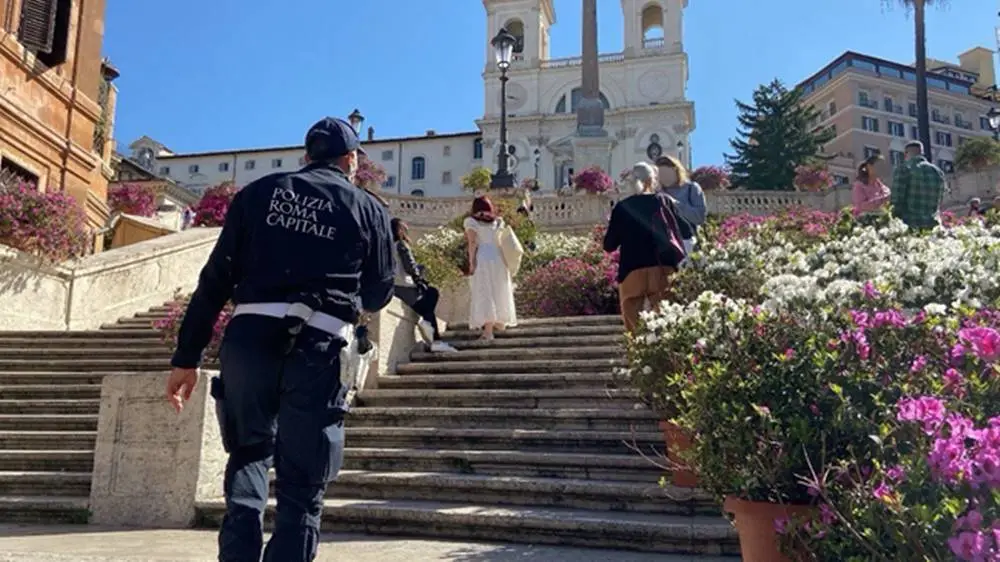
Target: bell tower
x,y
654,25
528,20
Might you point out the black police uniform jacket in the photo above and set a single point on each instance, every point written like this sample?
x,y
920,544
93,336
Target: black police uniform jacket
x,y
308,236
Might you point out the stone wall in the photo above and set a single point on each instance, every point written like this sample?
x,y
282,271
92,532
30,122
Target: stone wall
x,y
101,288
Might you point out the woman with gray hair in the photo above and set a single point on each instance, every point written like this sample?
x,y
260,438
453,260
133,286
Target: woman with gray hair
x,y
644,226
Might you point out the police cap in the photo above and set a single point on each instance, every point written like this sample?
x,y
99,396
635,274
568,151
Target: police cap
x,y
331,138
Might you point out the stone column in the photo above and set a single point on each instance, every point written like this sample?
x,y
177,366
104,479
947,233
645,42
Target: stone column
x,y
590,111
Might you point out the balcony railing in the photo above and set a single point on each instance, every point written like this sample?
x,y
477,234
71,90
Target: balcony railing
x,y
941,119
871,104
963,124
654,43
577,61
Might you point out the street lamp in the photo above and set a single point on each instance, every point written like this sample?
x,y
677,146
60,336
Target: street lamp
x,y
680,153
993,115
356,120
503,44
538,159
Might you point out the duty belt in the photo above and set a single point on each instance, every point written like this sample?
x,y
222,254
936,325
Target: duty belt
x,y
301,315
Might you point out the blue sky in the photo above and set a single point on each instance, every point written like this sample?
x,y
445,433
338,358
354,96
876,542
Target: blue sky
x,y
219,74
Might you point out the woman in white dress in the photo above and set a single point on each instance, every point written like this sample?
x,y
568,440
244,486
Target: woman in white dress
x,y
492,291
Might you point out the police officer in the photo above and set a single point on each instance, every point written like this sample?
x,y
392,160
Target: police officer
x,y
303,255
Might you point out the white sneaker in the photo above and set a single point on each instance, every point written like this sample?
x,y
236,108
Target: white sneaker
x,y
426,330
442,347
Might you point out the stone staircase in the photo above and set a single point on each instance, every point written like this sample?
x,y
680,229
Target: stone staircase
x,y
523,439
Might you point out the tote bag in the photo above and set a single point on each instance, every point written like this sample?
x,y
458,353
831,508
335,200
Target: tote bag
x,y
510,248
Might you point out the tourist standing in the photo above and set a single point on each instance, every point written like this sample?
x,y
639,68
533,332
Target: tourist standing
x,y
917,189
687,195
975,207
413,289
646,229
869,193
304,256
491,289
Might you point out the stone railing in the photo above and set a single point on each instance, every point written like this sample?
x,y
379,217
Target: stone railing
x,y
101,288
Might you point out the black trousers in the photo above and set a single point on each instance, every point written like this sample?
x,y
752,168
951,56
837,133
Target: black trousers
x,y
423,302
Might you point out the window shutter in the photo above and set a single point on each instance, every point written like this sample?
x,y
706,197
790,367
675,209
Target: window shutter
x,y
38,25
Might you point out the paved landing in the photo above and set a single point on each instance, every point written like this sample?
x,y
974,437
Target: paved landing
x,y
89,544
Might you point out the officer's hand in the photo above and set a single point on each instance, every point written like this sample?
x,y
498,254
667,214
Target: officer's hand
x,y
180,385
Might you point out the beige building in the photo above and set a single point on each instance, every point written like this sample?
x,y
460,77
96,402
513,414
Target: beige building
x,y
871,105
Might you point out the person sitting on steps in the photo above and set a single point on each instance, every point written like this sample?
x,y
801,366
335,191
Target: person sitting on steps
x,y
412,289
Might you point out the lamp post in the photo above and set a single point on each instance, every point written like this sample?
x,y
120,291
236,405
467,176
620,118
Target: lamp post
x,y
538,159
993,115
503,44
680,153
356,120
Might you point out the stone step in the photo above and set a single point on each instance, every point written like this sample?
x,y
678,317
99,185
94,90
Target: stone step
x,y
80,334
505,418
605,320
73,484
502,381
84,365
12,378
503,366
517,490
532,440
65,343
50,406
96,352
44,509
619,468
48,440
501,398
32,422
49,391
673,534
520,353
121,328
539,341
47,460
453,333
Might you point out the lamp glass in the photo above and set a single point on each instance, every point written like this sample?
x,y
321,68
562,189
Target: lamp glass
x,y
503,45
994,116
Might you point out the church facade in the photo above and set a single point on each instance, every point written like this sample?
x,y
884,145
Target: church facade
x,y
642,89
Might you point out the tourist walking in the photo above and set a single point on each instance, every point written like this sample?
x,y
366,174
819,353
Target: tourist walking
x,y
687,195
413,289
304,256
917,189
646,229
491,288
869,193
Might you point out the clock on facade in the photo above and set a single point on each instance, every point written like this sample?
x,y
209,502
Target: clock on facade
x,y
654,150
517,96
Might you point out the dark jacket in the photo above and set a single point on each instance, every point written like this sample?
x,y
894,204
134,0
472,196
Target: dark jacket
x,y
638,228
308,236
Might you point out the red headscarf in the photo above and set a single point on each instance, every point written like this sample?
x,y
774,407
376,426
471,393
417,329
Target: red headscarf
x,y
483,209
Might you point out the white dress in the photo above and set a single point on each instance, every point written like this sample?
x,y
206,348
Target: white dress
x,y
491,290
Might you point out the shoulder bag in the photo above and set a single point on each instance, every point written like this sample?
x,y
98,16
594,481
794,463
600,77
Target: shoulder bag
x,y
510,248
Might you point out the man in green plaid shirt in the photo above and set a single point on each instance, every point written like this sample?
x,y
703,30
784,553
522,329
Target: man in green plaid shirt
x,y
917,189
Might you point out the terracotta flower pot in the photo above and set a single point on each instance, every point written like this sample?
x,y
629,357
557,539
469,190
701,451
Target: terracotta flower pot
x,y
754,522
677,441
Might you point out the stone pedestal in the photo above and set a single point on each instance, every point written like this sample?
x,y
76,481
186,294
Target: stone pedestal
x,y
592,151
151,465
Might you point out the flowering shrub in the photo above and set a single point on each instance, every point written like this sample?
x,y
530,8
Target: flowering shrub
x,y
593,180
133,199
570,287
370,174
711,177
171,325
211,209
50,224
813,177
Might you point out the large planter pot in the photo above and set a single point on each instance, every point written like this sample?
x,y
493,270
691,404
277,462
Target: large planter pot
x,y
678,441
754,522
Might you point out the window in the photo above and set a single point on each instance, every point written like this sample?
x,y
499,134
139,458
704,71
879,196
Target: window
x,y
896,157
44,29
22,173
386,155
276,163
418,168
942,138
864,65
947,166
896,129
445,178
193,169
912,110
417,193
984,123
887,104
223,166
477,149
869,124
447,150
249,165
871,151
164,170
914,132
390,181
831,107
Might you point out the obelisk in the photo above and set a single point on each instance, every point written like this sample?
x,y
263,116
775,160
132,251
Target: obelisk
x,y
591,144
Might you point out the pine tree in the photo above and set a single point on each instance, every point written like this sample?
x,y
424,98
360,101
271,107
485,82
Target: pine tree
x,y
777,133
